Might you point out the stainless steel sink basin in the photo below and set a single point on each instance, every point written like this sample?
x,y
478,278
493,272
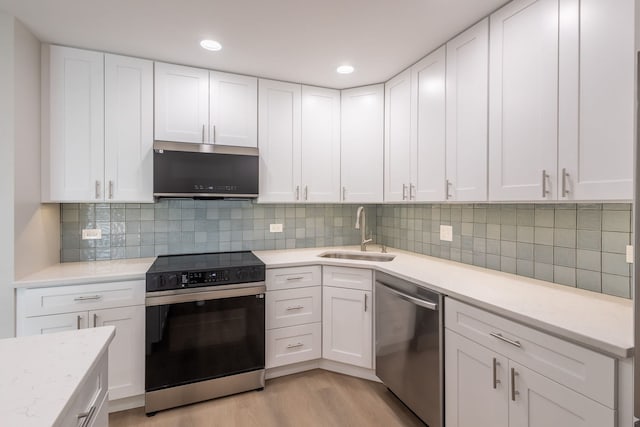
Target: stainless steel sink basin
x,y
360,256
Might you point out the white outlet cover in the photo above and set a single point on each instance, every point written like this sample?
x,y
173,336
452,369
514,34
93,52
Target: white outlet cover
x,y
91,234
446,233
275,228
630,254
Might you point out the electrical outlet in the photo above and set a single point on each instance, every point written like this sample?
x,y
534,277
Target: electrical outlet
x,y
446,233
275,228
630,254
91,234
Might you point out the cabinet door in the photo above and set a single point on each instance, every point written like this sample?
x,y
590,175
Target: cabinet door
x,y
181,104
126,352
234,109
523,109
596,100
467,114
397,137
49,324
320,144
279,141
362,144
477,384
535,400
428,128
347,326
75,150
128,129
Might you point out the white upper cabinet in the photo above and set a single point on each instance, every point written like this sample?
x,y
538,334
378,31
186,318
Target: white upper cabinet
x,y
72,124
128,152
320,145
233,109
97,140
362,144
428,128
467,114
596,100
523,110
181,103
279,139
397,138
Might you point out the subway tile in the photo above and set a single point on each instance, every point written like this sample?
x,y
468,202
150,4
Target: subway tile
x,y
543,271
508,232
564,275
525,216
508,249
564,257
616,221
544,217
589,219
525,234
508,215
615,264
480,215
565,218
467,257
467,214
479,230
524,251
617,206
543,254
508,264
493,246
619,286
614,242
493,231
479,244
543,236
479,259
493,262
588,260
590,240
466,230
524,268
493,215
564,238
589,280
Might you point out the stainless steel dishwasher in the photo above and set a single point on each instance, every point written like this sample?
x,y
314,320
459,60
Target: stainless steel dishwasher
x,y
409,345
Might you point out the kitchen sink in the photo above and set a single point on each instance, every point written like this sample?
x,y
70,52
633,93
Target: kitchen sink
x,y
360,256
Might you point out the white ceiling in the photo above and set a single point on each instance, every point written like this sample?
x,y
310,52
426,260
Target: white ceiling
x,y
294,40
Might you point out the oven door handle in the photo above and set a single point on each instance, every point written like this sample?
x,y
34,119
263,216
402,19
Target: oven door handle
x,y
196,295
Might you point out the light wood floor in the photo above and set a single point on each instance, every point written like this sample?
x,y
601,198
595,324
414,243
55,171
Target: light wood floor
x,y
313,398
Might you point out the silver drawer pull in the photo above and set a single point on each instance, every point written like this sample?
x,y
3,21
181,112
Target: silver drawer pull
x,y
87,416
295,278
496,381
514,392
295,345
505,339
89,298
295,307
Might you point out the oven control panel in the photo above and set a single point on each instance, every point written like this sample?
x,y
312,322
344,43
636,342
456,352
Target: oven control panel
x,y
193,279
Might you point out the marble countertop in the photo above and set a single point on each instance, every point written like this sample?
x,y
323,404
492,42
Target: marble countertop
x,y
72,273
600,322
40,374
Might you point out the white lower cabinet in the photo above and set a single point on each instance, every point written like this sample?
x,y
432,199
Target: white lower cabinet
x,y
347,316
499,373
120,304
294,344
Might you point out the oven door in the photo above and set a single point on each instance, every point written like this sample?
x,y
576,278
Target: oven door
x,y
203,335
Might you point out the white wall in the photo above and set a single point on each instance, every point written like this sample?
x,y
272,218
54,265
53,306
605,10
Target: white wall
x,y
37,226
7,308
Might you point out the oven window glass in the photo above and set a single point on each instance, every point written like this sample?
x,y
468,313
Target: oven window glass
x,y
202,340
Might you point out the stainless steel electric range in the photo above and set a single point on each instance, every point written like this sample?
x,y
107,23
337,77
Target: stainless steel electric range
x,y
205,328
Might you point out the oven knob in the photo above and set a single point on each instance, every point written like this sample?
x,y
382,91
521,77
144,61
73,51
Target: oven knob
x,y
172,281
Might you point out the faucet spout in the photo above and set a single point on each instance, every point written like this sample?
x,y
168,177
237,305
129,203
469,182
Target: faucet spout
x,y
361,224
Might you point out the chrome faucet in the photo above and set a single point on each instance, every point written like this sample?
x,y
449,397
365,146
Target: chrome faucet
x,y
361,224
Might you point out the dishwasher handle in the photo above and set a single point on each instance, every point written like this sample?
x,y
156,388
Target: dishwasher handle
x,y
417,301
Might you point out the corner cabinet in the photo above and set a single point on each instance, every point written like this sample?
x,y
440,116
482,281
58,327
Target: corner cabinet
x,y
121,304
347,316
97,127
500,373
362,145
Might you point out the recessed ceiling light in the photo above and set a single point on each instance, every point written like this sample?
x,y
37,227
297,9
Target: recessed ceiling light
x,y
344,69
211,45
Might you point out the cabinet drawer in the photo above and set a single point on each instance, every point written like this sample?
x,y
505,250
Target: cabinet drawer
x,y
88,398
293,277
290,307
294,344
66,299
346,277
585,371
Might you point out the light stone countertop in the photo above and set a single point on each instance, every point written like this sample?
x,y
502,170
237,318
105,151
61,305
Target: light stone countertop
x,y
40,374
600,322
77,273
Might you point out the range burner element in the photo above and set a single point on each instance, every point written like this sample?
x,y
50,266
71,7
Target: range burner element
x,y
170,272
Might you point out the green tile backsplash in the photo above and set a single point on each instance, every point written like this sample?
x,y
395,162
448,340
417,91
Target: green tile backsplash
x,y
580,245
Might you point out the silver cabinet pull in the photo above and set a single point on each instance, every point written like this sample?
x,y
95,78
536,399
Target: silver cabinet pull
x,y
295,307
412,192
110,189
565,176
505,339
365,303
404,191
514,392
86,416
95,320
97,189
496,381
203,134
295,345
88,298
447,185
214,133
295,278
306,192
545,176
344,193
78,321
297,192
